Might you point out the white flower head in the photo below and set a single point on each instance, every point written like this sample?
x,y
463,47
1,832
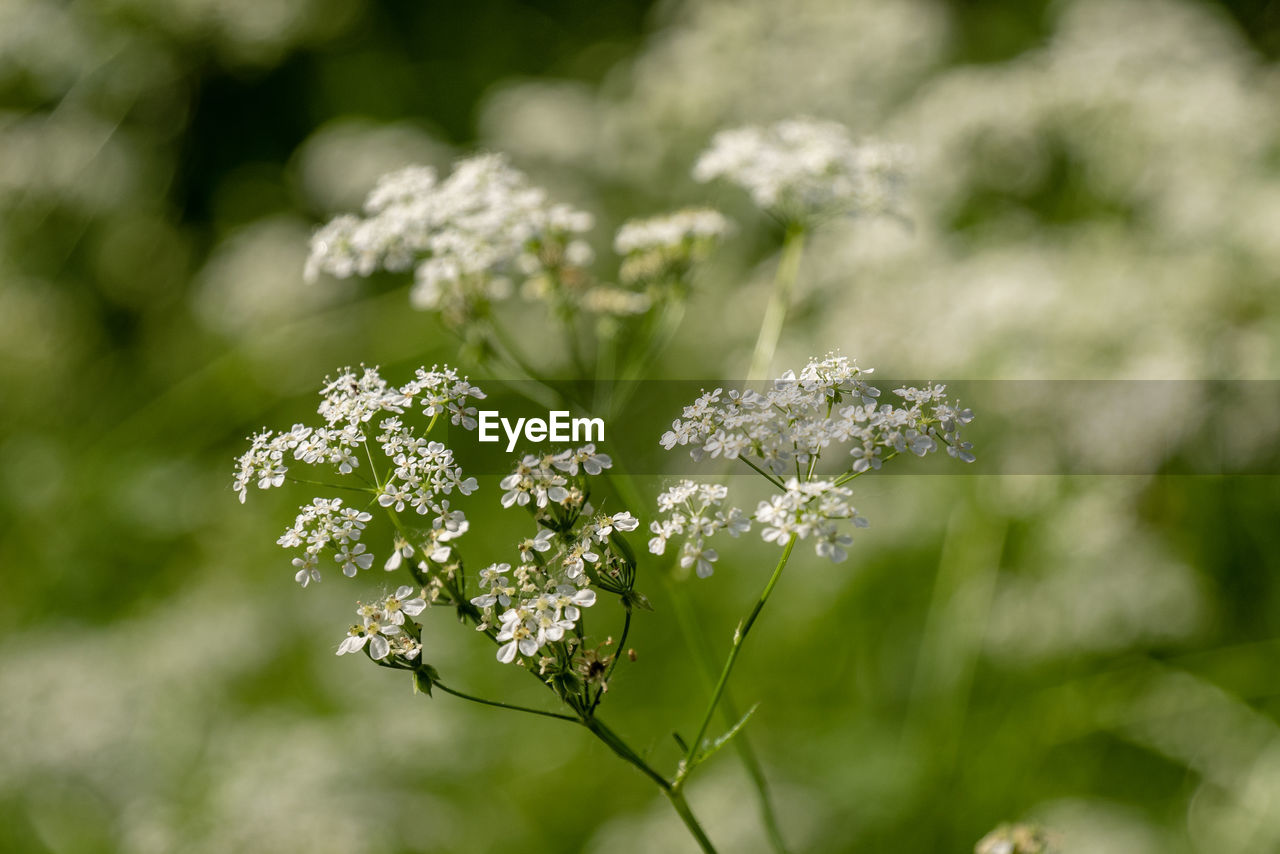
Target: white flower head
x,y
811,509
463,237
374,632
403,603
827,406
695,512
364,416
804,169
663,249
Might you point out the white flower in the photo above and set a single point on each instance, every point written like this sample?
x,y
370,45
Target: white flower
x,y
401,550
402,603
406,647
810,509
516,636
539,543
494,577
374,633
571,599
323,525
801,417
804,169
671,231
539,480
591,462
307,570
353,558
692,510
623,521
664,249
422,473
463,236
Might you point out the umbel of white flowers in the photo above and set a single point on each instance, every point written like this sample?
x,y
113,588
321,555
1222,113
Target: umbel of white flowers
x,y
783,432
472,237
419,473
803,170
533,611
540,600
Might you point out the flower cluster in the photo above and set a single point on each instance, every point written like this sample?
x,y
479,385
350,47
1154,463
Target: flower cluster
x,y
544,481
692,510
789,426
804,169
419,475
807,510
539,601
465,237
327,525
663,248
784,431
385,628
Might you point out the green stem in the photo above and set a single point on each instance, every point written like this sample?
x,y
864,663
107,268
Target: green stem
x,y
768,476
729,714
642,357
618,746
617,656
848,476
575,346
686,815
738,638
445,688
694,640
775,314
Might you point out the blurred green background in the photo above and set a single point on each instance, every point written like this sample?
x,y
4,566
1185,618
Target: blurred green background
x,y
1097,196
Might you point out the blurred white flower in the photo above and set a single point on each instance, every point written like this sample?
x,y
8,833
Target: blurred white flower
x,y
463,236
804,170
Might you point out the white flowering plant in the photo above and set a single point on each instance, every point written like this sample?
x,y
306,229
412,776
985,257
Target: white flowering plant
x,y
474,240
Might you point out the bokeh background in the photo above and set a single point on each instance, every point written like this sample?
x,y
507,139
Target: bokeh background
x,y
1097,196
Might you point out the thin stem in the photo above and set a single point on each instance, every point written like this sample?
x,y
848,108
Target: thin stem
x,y
501,705
775,314
848,476
655,341
729,714
620,747
509,350
608,674
770,477
738,637
682,807
364,489
575,346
